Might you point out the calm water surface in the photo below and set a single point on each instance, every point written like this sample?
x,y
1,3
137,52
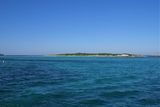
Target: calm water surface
x,y
79,82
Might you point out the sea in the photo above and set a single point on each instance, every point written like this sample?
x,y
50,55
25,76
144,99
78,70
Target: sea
x,y
43,81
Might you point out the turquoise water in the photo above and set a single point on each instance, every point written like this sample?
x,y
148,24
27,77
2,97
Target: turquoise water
x,y
79,82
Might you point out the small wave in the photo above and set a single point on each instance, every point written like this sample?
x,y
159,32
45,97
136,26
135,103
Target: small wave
x,y
149,101
92,102
118,94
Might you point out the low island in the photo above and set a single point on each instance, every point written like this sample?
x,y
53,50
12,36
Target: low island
x,y
98,54
1,54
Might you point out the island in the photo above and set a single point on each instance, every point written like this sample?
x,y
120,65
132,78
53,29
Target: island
x,y
1,54
98,54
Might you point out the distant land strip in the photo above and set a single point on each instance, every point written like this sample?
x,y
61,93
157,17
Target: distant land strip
x,y
99,54
1,54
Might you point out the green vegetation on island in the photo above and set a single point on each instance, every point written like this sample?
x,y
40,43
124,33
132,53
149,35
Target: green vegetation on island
x,y
98,54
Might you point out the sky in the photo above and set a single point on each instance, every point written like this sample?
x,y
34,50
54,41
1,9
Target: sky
x,y
35,27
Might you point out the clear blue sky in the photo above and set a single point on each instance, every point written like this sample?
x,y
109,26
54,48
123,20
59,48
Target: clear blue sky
x,y
61,26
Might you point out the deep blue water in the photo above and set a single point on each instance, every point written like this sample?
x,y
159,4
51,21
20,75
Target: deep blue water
x,y
79,82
